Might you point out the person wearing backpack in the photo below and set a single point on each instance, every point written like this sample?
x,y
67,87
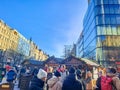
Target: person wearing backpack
x,y
115,80
11,76
110,81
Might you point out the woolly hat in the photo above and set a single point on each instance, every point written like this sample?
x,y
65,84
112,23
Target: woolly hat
x,y
57,74
41,74
72,70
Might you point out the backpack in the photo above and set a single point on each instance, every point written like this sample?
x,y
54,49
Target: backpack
x,y
106,83
11,75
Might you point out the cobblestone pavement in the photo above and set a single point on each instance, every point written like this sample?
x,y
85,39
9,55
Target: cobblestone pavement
x,y
16,86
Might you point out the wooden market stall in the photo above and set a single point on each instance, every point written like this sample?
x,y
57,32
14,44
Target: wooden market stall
x,y
73,61
93,67
53,61
32,63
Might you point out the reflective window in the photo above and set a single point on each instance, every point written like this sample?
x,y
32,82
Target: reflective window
x,y
117,9
111,2
100,20
103,39
118,1
108,30
118,19
115,1
107,20
106,1
114,30
90,38
99,10
89,30
114,39
99,44
89,52
111,10
113,19
103,30
106,9
98,30
118,29
98,2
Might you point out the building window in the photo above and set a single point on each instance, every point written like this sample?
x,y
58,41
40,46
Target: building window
x,y
108,30
118,19
118,29
113,19
104,1
114,30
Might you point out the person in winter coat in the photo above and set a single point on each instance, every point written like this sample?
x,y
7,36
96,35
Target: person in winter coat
x,y
22,72
35,71
89,82
54,83
25,81
2,73
49,74
71,82
115,80
11,75
38,82
63,71
98,82
79,76
8,67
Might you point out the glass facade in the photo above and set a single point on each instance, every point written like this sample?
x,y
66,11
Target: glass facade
x,y
79,46
101,31
23,46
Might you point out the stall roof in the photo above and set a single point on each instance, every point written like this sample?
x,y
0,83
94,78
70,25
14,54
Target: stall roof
x,y
90,62
34,62
57,60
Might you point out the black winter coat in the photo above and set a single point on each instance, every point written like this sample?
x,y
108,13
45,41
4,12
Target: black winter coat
x,y
36,84
71,83
98,84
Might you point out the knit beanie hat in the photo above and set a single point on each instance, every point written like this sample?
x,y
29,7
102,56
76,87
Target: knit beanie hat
x,y
57,74
72,70
41,74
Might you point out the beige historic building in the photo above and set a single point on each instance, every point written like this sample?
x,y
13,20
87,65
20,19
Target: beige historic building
x,y
8,37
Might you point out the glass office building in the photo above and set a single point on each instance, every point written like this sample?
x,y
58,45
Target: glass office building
x,y
101,31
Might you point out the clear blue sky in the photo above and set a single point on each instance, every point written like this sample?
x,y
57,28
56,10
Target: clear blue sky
x,y
51,23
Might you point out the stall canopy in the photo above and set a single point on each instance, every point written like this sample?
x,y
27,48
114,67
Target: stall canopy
x,y
89,62
32,62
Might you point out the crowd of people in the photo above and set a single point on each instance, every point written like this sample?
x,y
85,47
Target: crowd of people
x,y
59,78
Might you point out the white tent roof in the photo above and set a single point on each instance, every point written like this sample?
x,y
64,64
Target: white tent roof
x,y
90,62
